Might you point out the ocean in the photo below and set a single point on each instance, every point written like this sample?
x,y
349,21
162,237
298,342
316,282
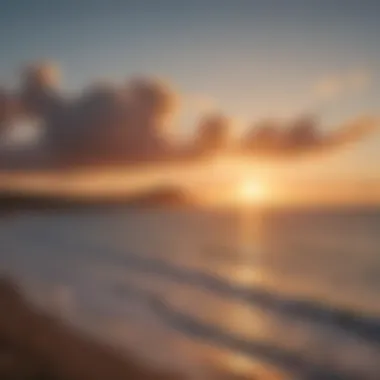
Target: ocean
x,y
291,294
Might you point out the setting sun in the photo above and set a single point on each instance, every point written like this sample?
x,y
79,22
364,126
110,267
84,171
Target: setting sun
x,y
250,192
241,192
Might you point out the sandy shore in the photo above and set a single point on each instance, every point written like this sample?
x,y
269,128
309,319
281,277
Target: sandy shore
x,y
36,346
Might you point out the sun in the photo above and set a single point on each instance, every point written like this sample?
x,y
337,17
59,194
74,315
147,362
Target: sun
x,y
250,192
239,193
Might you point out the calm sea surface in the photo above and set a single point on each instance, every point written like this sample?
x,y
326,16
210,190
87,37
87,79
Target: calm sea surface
x,y
292,295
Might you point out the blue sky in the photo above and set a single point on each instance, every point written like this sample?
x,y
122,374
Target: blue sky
x,y
253,58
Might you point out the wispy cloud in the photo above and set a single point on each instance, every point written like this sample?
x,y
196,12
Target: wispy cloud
x,y
333,87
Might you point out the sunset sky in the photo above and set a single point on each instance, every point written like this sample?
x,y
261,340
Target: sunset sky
x,y
251,59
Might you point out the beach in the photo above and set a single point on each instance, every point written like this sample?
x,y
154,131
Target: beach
x,y
184,291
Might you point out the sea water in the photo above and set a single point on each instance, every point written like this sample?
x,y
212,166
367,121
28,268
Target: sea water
x,y
277,295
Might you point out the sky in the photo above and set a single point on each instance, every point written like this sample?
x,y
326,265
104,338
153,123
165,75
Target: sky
x,y
252,59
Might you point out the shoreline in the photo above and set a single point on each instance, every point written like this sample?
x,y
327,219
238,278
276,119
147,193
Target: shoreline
x,y
35,346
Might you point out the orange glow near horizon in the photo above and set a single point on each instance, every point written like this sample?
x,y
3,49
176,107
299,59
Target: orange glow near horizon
x,y
250,192
240,193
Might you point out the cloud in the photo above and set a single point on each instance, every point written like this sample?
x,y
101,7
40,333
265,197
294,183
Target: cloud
x,y
265,135
132,122
283,136
336,86
41,75
39,94
303,135
111,123
214,133
9,107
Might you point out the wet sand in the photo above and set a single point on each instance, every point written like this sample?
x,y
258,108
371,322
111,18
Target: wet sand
x,y
36,346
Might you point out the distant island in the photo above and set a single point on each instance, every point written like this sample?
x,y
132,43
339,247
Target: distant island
x,y
165,196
